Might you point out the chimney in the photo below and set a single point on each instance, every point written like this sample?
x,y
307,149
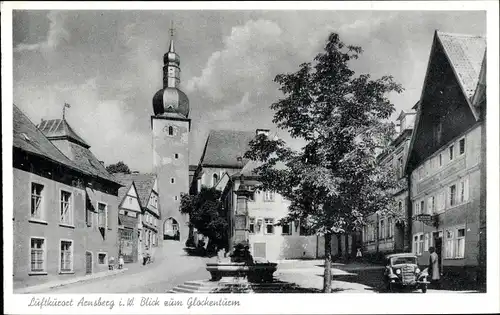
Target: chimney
x,y
102,162
262,131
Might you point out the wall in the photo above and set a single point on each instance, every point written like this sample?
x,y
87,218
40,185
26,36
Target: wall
x,y
166,166
84,238
278,246
439,179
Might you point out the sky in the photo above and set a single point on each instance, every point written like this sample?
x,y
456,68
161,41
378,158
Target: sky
x,y
108,65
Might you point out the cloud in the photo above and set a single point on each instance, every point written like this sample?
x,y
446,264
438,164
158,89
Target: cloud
x,y
243,64
55,36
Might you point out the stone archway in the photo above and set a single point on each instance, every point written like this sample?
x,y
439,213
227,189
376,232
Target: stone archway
x,y
171,229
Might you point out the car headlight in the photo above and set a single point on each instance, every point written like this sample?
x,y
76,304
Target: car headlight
x,y
417,270
398,271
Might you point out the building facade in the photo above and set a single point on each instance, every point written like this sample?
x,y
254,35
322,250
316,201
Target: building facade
x,y
382,234
148,220
446,159
170,129
255,216
65,204
129,219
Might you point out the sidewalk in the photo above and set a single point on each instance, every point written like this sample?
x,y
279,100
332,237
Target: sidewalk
x,y
58,283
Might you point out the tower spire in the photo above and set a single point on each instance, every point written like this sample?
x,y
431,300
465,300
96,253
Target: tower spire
x,y
172,29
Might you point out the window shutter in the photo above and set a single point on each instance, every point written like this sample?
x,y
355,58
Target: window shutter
x,y
466,189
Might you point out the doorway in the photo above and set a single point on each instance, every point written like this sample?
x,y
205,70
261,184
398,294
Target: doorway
x,y
88,262
438,246
171,229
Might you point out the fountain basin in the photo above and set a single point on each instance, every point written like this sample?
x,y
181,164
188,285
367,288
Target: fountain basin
x,y
258,272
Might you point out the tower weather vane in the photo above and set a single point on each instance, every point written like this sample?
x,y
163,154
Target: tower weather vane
x,y
172,29
66,105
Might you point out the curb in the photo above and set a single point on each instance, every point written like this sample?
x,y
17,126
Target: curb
x,y
46,286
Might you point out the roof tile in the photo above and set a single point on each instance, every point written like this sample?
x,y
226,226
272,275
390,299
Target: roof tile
x,y
466,54
223,147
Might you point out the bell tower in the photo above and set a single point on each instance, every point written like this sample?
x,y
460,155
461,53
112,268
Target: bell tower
x,y
170,126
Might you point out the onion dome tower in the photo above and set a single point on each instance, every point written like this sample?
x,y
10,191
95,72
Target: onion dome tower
x,y
170,99
170,130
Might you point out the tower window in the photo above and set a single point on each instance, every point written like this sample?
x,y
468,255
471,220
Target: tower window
x,y
176,155
170,131
215,179
172,180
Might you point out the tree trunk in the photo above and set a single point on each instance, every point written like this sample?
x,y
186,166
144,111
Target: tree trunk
x,y
327,278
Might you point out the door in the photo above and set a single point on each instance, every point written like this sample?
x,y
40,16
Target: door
x,y
88,263
438,241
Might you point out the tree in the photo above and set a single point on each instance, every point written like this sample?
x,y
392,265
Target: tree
x,y
333,182
207,215
119,167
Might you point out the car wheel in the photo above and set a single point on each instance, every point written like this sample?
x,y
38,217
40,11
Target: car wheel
x,y
424,288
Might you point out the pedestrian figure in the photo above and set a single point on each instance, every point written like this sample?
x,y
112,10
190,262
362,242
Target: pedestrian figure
x,y
358,254
120,262
111,263
145,257
434,267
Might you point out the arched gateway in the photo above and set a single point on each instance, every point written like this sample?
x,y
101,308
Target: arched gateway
x,y
171,229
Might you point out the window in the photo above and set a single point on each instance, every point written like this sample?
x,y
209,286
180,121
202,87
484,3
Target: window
x,y
449,250
102,258
450,152
382,229
65,207
400,166
36,200
464,190
421,172
422,207
416,207
431,205
268,196
102,215
453,194
215,180
415,244
37,254
460,243
175,198
441,201
269,223
176,156
170,131
286,228
390,227
461,145
172,180
66,261
426,242
420,244
400,207
440,159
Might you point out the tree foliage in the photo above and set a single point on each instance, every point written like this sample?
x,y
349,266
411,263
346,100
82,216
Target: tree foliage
x,y
207,214
118,167
334,181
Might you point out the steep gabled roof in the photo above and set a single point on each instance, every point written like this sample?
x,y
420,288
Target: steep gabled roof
x,y
143,183
60,129
28,138
223,147
86,160
122,192
465,54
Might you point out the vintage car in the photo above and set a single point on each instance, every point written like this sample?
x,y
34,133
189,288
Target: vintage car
x,y
401,270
